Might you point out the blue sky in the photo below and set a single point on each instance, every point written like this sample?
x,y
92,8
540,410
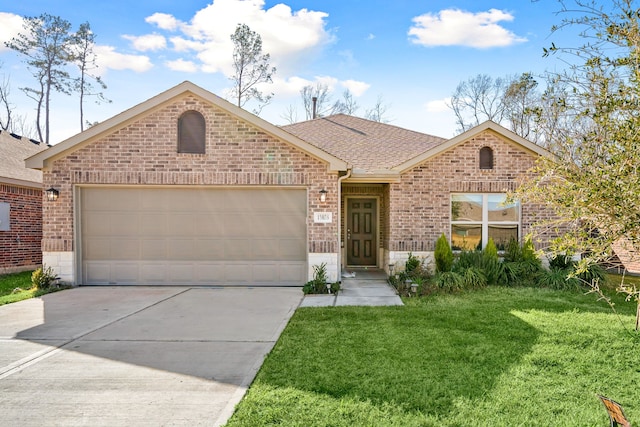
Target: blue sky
x,y
411,53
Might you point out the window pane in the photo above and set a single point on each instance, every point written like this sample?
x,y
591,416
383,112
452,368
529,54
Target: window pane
x,y
466,207
499,212
501,234
466,236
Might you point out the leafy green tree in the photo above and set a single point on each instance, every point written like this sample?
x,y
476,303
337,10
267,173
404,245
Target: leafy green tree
x,y
84,56
45,44
593,185
251,67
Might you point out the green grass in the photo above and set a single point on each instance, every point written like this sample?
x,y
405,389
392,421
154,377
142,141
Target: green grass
x,y
10,282
496,357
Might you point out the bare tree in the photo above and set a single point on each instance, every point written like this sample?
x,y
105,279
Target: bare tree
x,y
45,44
81,45
5,104
290,114
378,113
346,105
323,103
251,67
479,99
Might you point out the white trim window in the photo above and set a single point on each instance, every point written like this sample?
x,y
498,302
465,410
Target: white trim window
x,y
476,217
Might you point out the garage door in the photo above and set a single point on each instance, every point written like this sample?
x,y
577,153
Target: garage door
x,y
193,236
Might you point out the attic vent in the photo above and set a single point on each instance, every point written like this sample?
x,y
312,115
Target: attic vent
x,y
191,133
486,158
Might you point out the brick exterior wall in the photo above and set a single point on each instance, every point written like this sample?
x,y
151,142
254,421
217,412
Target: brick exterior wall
x,y
20,247
420,202
145,153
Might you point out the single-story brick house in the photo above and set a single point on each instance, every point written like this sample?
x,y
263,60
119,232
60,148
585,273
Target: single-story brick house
x,y
186,188
20,205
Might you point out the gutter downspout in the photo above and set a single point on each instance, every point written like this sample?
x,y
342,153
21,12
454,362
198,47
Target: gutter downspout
x,y
339,265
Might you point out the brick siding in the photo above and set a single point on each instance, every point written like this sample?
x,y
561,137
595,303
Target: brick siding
x,y
20,247
144,152
420,202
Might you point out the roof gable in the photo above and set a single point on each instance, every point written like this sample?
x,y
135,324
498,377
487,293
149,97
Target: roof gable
x,y
42,160
529,146
13,152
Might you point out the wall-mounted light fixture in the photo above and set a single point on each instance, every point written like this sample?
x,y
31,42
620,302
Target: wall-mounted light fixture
x,y
323,195
52,194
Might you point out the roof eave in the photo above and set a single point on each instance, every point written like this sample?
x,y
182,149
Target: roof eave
x,y
380,177
20,182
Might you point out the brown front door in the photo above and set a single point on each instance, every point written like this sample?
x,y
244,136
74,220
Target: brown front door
x,y
361,232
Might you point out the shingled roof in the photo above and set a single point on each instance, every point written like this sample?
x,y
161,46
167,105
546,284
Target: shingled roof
x,y
13,151
367,145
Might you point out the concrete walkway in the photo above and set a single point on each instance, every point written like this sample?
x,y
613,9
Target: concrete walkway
x,y
369,287
136,356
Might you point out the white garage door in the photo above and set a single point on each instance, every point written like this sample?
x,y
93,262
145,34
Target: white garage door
x,y
193,236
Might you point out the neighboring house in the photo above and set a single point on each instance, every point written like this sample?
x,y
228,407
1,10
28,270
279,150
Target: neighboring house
x,y
186,188
20,205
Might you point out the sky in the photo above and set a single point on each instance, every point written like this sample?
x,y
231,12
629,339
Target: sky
x,y
411,54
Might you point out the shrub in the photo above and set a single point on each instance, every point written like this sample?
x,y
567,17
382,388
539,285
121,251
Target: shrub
x,y
449,281
412,266
560,262
490,251
559,279
513,251
443,255
43,278
474,278
318,285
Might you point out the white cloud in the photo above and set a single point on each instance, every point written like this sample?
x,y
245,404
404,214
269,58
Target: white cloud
x,y
164,21
371,36
457,27
438,105
355,87
10,26
108,58
287,35
147,42
182,65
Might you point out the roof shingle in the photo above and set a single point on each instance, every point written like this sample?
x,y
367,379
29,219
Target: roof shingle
x,y
13,151
367,145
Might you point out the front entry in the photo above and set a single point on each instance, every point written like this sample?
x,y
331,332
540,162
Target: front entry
x,y
361,232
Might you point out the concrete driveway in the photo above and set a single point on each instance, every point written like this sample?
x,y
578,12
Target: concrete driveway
x,y
123,356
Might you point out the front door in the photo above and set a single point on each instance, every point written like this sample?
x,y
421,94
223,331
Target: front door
x,y
361,232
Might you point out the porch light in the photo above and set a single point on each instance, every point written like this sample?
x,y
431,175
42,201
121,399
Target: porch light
x,y
323,195
52,194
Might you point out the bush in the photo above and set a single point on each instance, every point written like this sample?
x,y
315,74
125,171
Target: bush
x,y
490,251
412,266
43,278
474,278
560,262
443,255
449,281
558,279
318,285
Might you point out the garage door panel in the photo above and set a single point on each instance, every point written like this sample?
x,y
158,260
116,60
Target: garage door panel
x,y
153,224
187,236
238,224
125,272
99,224
237,249
180,225
210,249
292,249
209,225
97,248
153,249
153,272
124,224
238,272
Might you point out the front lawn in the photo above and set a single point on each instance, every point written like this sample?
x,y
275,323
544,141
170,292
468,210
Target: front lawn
x,y
494,357
17,287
